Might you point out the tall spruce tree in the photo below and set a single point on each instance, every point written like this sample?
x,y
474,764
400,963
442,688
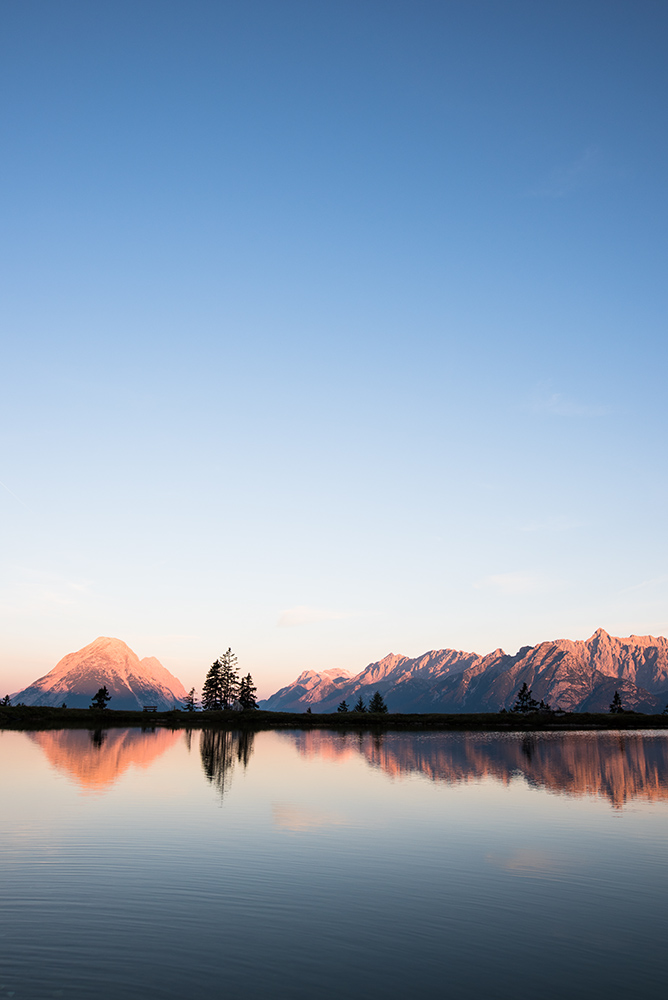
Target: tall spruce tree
x,y
99,702
525,702
377,704
229,679
247,692
359,705
616,707
212,698
190,703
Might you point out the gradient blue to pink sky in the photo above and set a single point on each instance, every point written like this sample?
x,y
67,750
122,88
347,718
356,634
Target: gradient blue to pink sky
x,y
330,329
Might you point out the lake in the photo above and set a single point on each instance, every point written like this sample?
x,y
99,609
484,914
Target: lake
x,y
318,864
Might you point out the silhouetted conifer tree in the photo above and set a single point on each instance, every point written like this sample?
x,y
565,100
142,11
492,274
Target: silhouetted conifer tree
x,y
525,702
247,692
377,704
6,700
229,679
359,705
212,697
616,704
343,707
99,702
190,703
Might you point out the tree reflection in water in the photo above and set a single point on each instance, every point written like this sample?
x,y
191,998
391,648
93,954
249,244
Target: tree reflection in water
x,y
618,767
97,738
528,747
221,750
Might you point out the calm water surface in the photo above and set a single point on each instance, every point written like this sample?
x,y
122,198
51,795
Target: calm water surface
x,y
294,865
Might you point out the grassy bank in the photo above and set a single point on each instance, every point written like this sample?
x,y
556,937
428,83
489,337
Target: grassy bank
x,y
40,717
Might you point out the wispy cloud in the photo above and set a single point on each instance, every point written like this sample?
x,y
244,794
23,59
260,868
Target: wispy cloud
x,y
549,524
656,581
568,178
38,592
545,400
513,584
303,615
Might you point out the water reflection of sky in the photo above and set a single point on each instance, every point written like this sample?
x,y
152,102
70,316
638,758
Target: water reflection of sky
x,y
619,767
463,856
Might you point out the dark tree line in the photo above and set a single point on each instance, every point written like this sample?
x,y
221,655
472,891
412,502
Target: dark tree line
x,y
376,705
526,702
223,687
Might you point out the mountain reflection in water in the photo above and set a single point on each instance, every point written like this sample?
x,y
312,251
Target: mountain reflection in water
x,y
293,865
95,759
615,766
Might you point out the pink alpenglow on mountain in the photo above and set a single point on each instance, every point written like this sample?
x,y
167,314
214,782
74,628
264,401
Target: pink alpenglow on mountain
x,y
577,676
131,682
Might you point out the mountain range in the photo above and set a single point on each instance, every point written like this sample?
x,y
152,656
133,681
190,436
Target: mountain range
x,y
131,682
576,676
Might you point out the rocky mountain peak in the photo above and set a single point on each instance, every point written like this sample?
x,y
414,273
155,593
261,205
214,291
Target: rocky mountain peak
x,y
570,674
107,662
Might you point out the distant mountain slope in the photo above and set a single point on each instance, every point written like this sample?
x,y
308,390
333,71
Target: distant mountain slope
x,y
131,682
577,676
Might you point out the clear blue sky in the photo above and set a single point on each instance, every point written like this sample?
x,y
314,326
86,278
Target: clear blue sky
x,y
330,328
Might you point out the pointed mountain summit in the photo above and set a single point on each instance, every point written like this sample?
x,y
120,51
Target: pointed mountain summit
x,y
575,675
131,682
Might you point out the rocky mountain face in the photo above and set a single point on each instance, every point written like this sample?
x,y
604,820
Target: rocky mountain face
x,y
131,682
577,676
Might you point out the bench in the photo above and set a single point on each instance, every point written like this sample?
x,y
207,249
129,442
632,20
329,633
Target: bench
x,y
150,708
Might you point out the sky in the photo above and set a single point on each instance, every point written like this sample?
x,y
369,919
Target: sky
x,y
330,328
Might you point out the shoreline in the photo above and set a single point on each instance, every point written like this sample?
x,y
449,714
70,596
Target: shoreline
x,y
44,717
